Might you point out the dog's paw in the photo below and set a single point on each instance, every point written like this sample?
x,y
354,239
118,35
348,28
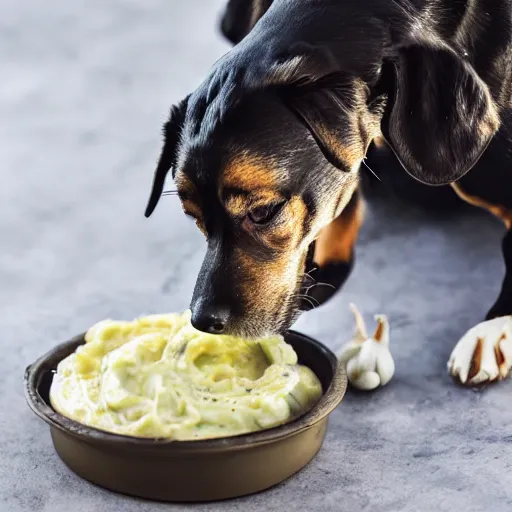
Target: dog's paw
x,y
484,353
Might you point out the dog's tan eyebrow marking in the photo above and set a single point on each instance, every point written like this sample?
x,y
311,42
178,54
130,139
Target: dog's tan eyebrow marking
x,y
248,182
248,173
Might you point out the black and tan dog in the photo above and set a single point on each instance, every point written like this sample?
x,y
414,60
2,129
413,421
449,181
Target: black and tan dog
x,y
266,153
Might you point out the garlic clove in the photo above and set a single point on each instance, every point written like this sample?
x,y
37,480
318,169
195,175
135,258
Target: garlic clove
x,y
366,381
367,357
368,361
348,351
385,366
361,368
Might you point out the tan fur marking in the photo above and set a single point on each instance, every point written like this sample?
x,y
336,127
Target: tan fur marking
x,y
249,174
201,227
349,154
186,191
266,283
191,208
499,211
287,231
379,142
184,184
290,230
239,205
336,241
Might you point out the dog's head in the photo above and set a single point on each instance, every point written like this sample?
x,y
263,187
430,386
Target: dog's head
x,y
260,189
284,162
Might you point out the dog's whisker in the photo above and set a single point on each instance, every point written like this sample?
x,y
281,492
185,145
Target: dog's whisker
x,y
307,276
170,193
310,302
316,300
329,285
306,290
370,169
307,299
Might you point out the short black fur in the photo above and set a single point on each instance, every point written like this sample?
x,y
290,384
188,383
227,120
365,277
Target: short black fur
x,y
432,77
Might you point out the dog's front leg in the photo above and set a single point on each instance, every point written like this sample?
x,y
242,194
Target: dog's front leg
x,y
503,305
332,258
484,353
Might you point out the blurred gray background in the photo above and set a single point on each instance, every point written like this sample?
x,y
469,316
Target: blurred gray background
x,y
85,88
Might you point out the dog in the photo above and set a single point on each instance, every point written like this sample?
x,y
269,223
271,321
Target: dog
x,y
266,152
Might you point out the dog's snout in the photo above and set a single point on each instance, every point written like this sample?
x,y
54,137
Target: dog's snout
x,y
210,319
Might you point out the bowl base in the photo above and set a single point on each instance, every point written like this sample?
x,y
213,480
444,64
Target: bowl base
x,y
195,478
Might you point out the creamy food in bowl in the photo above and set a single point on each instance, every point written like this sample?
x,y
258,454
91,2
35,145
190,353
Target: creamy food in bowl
x,y
159,377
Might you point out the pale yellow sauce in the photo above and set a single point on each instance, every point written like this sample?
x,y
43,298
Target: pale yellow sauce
x,y
159,377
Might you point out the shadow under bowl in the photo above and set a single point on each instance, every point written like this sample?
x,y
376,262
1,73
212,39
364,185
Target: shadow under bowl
x,y
190,471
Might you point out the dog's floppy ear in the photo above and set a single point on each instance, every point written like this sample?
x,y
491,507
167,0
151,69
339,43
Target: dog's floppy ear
x,y
441,116
172,131
336,113
240,16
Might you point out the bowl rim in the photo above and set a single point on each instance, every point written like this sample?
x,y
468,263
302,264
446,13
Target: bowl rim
x,y
330,399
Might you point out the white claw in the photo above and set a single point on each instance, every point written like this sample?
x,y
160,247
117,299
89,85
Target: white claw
x,y
368,360
484,353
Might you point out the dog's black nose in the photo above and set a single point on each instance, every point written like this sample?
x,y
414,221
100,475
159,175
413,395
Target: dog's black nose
x,y
210,319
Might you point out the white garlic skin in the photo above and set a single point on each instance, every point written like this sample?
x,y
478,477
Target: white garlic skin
x,y
368,359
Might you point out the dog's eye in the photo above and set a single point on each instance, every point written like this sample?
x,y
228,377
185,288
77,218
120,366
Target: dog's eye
x,y
264,214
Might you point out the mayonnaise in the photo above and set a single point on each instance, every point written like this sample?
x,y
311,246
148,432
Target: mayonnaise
x,y
159,377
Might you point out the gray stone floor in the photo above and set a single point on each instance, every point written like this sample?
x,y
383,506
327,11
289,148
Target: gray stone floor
x,y
85,87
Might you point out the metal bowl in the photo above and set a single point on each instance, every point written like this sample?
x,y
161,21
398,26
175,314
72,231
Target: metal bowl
x,y
204,470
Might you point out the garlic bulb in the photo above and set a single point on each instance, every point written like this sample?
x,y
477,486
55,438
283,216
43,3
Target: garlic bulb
x,y
368,360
